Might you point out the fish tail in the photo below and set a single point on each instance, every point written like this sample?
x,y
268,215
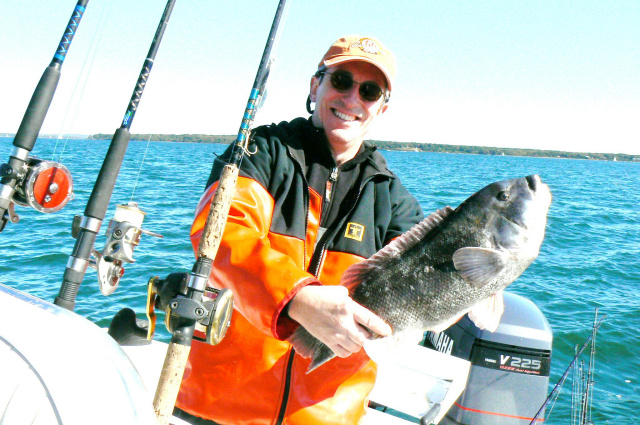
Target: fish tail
x,y
307,346
321,355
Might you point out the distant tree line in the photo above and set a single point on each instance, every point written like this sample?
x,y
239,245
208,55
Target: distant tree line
x,y
484,150
182,138
397,146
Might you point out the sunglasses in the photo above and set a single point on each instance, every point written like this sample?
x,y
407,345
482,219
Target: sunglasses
x,y
343,81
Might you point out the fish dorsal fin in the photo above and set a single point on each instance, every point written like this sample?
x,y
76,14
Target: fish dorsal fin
x,y
353,275
479,265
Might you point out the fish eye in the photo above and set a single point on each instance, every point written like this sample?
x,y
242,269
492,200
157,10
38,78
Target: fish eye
x,y
503,196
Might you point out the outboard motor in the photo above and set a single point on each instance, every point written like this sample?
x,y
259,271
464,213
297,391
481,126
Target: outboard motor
x,y
509,376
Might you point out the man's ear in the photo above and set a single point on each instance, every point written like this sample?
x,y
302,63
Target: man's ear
x,y
383,108
315,82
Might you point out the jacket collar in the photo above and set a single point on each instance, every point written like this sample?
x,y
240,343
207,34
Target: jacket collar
x,y
315,139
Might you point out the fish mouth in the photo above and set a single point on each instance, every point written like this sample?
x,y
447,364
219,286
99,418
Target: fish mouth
x,y
539,189
537,186
534,181
518,223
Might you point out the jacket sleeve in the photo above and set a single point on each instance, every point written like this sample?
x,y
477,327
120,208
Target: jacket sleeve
x,y
263,280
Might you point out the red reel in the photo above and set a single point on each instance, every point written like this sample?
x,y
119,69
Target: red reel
x,y
47,186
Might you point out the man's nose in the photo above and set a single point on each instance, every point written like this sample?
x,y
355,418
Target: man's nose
x,y
351,96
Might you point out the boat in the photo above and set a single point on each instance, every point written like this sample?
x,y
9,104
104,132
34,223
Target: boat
x,y
62,383
459,376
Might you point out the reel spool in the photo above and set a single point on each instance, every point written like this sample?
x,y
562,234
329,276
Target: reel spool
x,y
46,187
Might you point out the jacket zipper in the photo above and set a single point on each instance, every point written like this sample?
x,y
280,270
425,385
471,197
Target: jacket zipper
x,y
314,266
328,193
287,388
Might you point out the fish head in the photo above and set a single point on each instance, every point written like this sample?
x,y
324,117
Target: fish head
x,y
514,213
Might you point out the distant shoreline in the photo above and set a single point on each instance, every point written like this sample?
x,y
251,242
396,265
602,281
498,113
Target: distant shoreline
x,y
387,145
400,146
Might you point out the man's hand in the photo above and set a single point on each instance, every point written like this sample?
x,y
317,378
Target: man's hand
x,y
330,315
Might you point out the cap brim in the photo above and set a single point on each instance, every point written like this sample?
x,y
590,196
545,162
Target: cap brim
x,y
338,60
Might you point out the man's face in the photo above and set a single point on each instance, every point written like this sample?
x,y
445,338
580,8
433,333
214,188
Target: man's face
x,y
344,115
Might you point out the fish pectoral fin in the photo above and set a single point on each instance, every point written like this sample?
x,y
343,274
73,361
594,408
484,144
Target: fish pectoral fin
x,y
479,265
487,313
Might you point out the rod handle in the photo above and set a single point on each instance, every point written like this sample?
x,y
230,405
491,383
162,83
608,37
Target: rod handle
x,y
170,380
217,218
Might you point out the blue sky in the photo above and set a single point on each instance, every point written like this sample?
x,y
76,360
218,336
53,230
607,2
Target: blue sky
x,y
535,74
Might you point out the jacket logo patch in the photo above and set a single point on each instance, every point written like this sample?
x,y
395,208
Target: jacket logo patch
x,y
354,231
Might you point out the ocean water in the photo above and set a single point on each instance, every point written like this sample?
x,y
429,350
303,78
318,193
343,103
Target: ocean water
x,y
590,257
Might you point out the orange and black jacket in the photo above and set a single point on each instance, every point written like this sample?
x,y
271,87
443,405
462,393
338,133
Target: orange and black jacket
x,y
296,219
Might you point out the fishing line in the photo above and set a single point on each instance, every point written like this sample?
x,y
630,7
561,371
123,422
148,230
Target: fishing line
x,y
84,77
140,170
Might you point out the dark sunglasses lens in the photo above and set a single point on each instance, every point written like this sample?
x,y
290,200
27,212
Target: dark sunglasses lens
x,y
370,91
341,80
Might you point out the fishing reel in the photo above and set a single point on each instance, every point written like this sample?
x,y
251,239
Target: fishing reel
x,y
45,186
123,235
212,314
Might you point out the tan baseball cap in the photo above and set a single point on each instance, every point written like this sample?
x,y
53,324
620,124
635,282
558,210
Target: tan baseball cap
x,y
357,48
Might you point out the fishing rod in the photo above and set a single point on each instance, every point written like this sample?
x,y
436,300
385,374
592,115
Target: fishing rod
x,y
575,390
587,399
86,228
596,326
188,308
44,185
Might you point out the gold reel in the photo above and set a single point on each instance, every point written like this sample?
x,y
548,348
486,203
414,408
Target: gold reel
x,y
218,303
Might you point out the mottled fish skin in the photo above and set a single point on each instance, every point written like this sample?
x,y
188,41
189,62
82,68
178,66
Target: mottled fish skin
x,y
448,263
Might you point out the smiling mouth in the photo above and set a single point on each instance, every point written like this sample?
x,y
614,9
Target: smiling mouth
x,y
344,116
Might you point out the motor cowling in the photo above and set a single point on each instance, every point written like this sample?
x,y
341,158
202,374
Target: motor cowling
x,y
509,376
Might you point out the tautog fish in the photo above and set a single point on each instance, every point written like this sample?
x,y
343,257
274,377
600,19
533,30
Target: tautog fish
x,y
451,263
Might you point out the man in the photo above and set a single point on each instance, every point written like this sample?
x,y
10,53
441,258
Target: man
x,y
313,200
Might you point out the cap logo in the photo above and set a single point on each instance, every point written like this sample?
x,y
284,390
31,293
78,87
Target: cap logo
x,y
367,45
